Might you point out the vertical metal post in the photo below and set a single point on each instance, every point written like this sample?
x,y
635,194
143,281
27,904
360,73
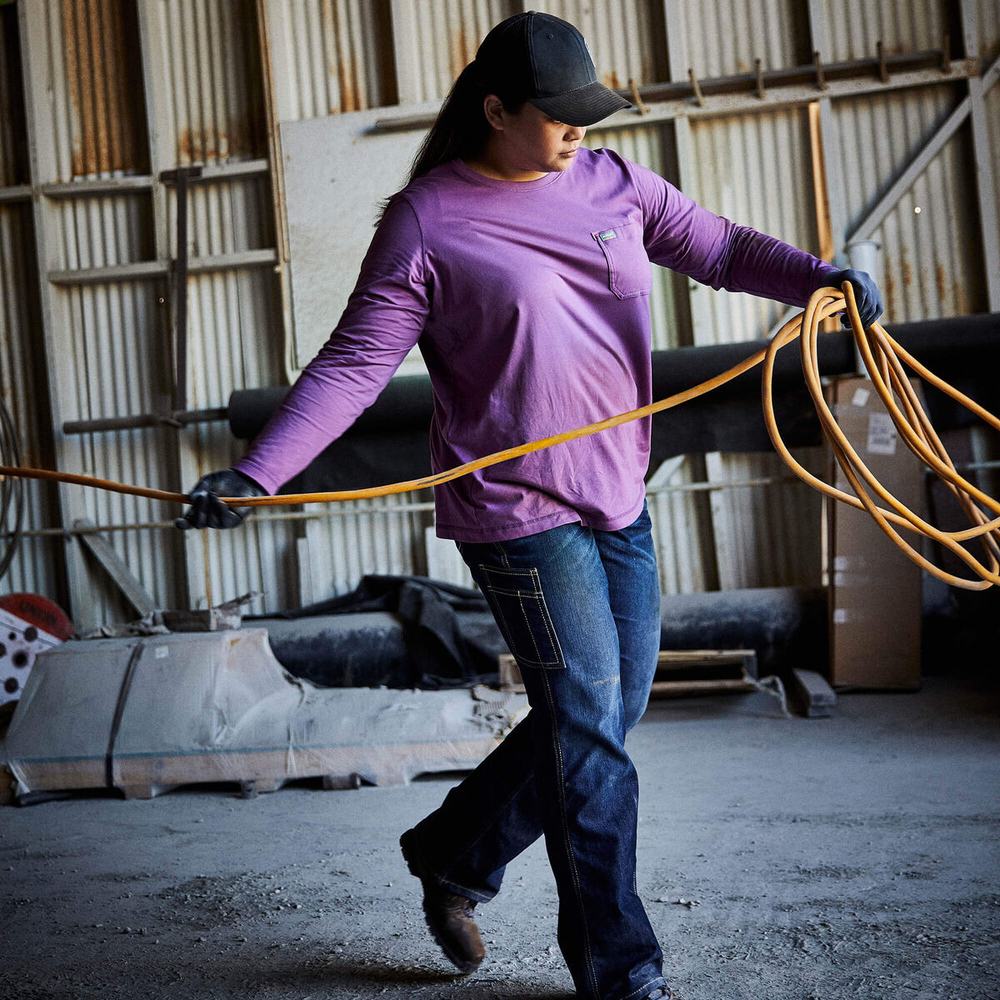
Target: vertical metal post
x,y
983,159
984,447
863,255
34,38
187,545
278,87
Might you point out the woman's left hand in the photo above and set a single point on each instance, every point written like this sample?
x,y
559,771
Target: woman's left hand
x,y
866,294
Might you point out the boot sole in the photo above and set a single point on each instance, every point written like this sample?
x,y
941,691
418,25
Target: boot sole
x,y
409,856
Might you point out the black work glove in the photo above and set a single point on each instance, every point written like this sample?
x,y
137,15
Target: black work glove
x,y
208,511
866,294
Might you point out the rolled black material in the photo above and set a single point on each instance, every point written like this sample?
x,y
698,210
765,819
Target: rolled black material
x,y
388,442
785,625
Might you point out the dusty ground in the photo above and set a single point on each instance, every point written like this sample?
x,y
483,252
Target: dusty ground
x,y
834,858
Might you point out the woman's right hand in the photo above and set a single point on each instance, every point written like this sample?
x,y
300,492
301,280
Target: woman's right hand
x,y
208,511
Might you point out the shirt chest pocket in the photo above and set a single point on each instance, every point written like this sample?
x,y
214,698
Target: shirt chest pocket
x,y
625,256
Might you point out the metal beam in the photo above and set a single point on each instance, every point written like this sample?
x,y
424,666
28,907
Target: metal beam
x,y
132,184
19,192
913,170
791,95
123,578
989,220
972,105
985,167
279,100
145,269
183,460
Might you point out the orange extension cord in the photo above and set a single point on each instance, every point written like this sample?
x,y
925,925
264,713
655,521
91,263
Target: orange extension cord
x,y
882,356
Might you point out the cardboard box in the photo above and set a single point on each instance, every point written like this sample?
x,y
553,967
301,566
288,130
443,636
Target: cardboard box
x,y
874,589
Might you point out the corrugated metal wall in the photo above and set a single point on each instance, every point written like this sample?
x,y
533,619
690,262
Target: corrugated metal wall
x,y
22,361
727,37
930,266
142,86
855,26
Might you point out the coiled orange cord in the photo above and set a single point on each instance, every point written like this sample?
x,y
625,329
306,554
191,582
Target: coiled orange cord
x,y
883,358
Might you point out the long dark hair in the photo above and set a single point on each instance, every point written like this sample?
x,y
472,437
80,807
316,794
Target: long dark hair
x,y
461,129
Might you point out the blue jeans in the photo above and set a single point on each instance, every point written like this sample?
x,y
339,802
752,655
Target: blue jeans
x,y
580,610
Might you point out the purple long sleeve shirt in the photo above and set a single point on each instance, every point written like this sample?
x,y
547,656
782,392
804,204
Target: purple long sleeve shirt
x,y
530,305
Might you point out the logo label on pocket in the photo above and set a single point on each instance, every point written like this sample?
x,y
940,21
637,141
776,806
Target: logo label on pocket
x,y
608,234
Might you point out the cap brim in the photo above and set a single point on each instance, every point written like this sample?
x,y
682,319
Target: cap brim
x,y
583,106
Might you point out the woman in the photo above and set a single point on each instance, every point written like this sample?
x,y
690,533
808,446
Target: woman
x,y
518,260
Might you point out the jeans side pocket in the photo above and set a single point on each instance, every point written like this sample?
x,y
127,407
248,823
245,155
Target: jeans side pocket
x,y
523,616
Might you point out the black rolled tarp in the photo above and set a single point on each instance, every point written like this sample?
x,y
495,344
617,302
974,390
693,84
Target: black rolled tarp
x,y
388,442
413,631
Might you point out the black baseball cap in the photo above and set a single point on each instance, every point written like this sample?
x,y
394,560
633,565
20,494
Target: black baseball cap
x,y
551,58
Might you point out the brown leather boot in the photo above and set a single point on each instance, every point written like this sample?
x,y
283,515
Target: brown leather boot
x,y
449,917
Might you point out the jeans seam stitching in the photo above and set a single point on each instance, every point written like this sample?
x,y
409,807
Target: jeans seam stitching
x,y
574,874
645,986
559,659
547,620
543,664
524,614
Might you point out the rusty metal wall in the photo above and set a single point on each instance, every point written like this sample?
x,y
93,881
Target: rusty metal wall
x,y
340,51
134,88
365,43
756,170
435,41
103,130
105,338
22,361
207,99
930,266
856,26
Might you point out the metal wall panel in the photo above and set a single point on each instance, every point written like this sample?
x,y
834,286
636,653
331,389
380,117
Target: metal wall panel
x,y
989,28
753,169
211,107
35,566
364,536
625,38
107,355
766,536
434,42
682,532
726,37
204,99
112,333
232,316
101,231
930,265
104,124
756,170
856,26
336,56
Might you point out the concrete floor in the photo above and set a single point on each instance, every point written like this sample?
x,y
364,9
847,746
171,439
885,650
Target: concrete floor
x,y
847,857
